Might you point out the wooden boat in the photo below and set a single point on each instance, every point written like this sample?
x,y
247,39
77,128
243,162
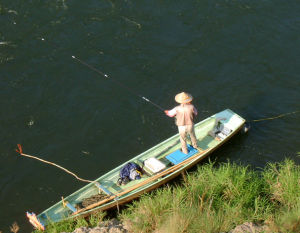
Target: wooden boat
x,y
211,133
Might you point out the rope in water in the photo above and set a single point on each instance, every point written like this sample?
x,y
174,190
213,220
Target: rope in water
x,y
276,117
20,151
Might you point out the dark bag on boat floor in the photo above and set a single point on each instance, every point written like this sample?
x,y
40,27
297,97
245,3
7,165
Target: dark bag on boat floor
x,y
131,171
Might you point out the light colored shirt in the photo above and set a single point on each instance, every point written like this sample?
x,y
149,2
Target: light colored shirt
x,y
184,114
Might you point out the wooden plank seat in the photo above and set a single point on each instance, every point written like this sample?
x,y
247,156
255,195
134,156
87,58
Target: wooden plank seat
x,y
66,204
103,189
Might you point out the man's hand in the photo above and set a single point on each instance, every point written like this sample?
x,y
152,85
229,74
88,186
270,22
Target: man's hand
x,y
170,113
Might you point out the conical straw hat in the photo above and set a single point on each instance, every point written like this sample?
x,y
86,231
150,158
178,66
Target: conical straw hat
x,y
183,98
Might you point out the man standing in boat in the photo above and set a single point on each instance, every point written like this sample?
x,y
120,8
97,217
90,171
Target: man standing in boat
x,y
185,114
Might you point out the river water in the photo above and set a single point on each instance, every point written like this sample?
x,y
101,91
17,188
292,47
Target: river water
x,y
243,55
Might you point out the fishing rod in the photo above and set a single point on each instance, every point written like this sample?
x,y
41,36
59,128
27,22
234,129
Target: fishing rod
x,y
117,82
114,80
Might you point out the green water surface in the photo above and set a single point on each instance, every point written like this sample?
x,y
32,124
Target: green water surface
x,y
243,55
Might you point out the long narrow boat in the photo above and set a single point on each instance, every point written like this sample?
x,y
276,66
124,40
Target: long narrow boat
x,y
161,163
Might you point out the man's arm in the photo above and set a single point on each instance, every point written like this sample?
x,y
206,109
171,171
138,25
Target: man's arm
x,y
171,113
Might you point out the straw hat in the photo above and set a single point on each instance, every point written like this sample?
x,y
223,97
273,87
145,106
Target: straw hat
x,y
183,98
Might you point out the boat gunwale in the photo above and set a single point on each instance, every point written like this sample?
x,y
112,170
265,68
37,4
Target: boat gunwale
x,y
152,185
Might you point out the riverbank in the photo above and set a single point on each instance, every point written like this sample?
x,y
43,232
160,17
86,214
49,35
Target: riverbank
x,y
214,198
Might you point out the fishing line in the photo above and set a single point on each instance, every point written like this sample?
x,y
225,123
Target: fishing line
x,y
117,82
112,79
275,117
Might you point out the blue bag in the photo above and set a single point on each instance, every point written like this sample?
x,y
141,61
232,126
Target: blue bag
x,y
131,171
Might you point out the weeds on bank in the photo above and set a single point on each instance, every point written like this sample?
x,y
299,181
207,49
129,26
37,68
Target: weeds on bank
x,y
216,199
284,184
69,225
283,181
14,228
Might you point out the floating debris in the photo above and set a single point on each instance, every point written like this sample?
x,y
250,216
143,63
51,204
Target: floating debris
x,y
97,19
31,122
131,21
4,42
6,59
13,11
8,43
85,152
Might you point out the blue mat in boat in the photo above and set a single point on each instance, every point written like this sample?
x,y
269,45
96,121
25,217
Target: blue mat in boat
x,y
177,156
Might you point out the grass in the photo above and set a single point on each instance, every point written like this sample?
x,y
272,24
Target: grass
x,y
218,198
214,198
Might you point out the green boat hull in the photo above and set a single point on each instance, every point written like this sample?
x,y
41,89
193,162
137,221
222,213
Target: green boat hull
x,y
147,183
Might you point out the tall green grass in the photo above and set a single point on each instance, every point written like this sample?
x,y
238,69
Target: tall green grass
x,y
217,198
283,181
